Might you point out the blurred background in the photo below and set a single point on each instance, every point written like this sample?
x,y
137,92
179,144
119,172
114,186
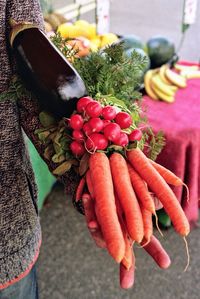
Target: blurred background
x,y
146,19
70,266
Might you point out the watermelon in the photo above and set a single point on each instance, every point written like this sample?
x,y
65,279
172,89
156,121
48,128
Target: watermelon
x,y
160,50
132,41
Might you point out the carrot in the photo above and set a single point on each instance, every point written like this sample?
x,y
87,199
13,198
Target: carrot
x,y
127,260
164,193
128,256
127,277
147,222
155,249
127,197
89,183
79,190
105,205
169,176
141,190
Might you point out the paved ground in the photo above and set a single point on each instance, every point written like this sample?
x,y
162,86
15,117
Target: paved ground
x,y
70,266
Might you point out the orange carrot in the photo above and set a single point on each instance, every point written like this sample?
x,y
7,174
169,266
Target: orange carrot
x,y
147,222
158,185
169,176
141,190
89,183
127,197
105,205
127,260
128,255
79,190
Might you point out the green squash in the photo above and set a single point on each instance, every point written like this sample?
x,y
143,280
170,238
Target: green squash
x,y
160,50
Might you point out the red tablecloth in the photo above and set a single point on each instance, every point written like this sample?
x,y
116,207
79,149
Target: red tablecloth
x,y
180,123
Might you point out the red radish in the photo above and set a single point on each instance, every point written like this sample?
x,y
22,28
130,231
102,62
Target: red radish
x,y
122,140
77,148
78,135
135,135
96,141
112,131
96,124
87,129
82,103
105,122
93,109
124,120
76,122
109,112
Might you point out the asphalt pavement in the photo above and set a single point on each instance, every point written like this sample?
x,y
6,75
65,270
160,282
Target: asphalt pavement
x,y
70,266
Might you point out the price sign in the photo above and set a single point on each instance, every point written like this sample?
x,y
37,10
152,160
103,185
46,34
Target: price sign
x,y
190,9
103,16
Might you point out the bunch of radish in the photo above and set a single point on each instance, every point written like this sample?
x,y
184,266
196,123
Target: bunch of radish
x,y
96,127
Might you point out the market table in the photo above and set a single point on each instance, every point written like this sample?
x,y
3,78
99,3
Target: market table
x,y
180,122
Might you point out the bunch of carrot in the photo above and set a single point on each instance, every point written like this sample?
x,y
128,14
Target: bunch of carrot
x,y
122,188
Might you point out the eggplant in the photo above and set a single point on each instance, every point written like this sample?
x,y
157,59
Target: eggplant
x,y
45,71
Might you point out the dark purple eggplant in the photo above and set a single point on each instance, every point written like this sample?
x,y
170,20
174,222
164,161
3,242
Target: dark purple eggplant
x,y
45,71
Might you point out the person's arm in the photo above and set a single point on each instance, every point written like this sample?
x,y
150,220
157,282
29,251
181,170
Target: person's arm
x,y
30,11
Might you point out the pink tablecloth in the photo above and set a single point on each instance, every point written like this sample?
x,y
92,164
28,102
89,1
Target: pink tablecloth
x,y
180,123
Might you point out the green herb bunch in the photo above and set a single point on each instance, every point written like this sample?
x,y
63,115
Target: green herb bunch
x,y
110,72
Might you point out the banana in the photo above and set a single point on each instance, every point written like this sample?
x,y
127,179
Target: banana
x,y
190,74
162,71
163,96
180,67
175,78
162,74
164,88
147,84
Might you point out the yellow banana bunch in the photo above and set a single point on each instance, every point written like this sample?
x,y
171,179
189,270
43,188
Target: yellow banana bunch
x,y
188,71
148,84
175,78
190,74
162,83
180,67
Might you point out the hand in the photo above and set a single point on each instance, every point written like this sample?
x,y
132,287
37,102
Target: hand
x,y
153,248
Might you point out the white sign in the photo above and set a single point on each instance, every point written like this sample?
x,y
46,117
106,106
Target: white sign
x,y
81,2
103,16
190,10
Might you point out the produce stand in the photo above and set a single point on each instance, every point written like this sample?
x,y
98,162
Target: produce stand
x,y
181,126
